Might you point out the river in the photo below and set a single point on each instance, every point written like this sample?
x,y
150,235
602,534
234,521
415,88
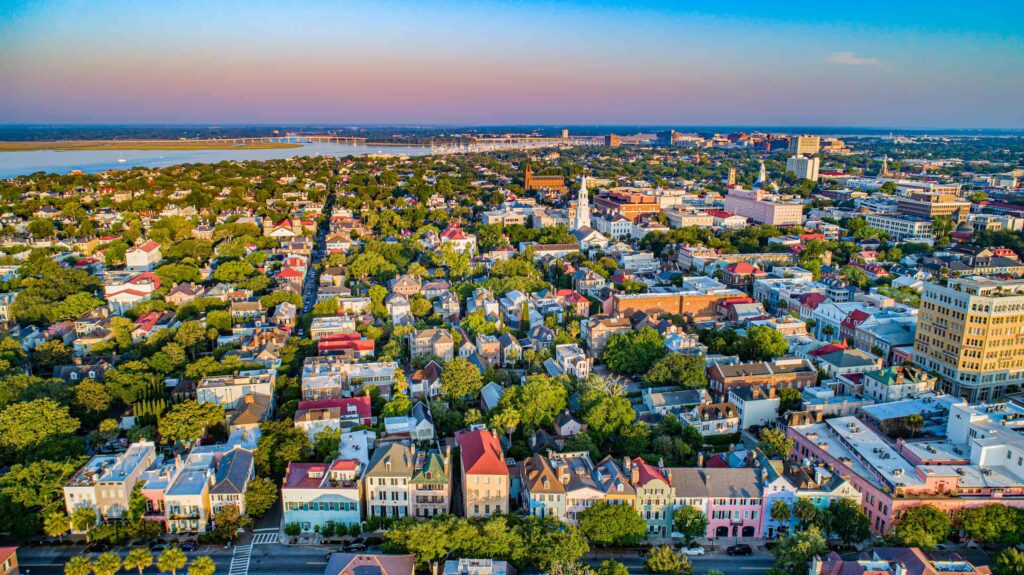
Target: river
x,y
91,161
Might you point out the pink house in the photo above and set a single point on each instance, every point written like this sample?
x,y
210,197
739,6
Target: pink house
x,y
961,471
730,499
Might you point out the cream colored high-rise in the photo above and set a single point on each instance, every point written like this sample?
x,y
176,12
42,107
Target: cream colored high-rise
x,y
970,333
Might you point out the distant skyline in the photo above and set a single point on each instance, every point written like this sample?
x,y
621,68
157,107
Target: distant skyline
x,y
912,64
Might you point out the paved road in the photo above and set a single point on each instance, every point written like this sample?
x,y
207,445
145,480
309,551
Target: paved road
x,y
309,287
274,559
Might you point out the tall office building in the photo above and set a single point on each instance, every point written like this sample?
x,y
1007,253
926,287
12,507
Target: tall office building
x,y
929,205
805,168
970,333
804,145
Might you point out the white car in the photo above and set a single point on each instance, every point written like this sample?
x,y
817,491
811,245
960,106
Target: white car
x,y
692,551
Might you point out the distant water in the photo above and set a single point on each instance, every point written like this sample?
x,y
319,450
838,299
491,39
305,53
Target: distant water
x,y
91,161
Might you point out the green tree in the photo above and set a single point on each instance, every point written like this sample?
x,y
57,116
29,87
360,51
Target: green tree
x,y
139,558
805,511
795,552
56,524
84,519
678,369
790,399
188,420
606,524
202,565
989,523
774,443
48,355
108,563
1009,561
399,405
689,521
91,396
849,523
260,496
781,514
664,559
634,352
923,526
762,343
171,560
611,567
537,401
27,425
280,443
40,228
460,378
78,565
606,413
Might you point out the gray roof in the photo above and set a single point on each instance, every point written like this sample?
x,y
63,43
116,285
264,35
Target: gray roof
x,y
398,455
714,482
233,472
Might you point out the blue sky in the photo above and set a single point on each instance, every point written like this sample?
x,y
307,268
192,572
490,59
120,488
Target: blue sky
x,y
868,63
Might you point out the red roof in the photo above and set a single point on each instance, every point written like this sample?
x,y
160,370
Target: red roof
x,y
742,268
648,472
325,345
361,403
481,453
290,273
720,214
145,278
716,461
827,349
6,552
149,246
811,299
453,233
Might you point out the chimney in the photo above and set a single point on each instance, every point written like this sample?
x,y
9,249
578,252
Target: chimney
x,y
447,458
755,391
771,392
819,416
700,459
815,566
634,474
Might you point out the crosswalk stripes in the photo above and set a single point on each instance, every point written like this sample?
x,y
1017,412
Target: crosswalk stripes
x,y
265,538
240,560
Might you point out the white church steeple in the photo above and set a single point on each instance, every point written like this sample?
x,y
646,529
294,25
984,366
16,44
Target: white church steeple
x,y
583,206
762,177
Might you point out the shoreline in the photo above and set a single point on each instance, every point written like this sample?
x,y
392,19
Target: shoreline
x,y
128,145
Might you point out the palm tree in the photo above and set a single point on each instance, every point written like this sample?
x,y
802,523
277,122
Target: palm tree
x,y
781,513
78,565
171,560
56,524
914,423
108,563
139,558
84,519
202,566
805,511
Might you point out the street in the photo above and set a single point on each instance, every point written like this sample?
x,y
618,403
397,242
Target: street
x,y
274,558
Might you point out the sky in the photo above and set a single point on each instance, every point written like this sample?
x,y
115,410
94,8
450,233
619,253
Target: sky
x,y
867,63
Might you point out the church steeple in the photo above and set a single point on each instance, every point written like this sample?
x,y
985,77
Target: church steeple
x,y
762,177
583,206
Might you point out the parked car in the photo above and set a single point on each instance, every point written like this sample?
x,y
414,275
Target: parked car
x,y
98,547
157,547
356,548
693,551
739,549
189,546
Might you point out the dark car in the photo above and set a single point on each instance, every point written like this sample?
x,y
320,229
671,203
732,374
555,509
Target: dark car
x,y
98,547
739,549
189,546
356,548
157,546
